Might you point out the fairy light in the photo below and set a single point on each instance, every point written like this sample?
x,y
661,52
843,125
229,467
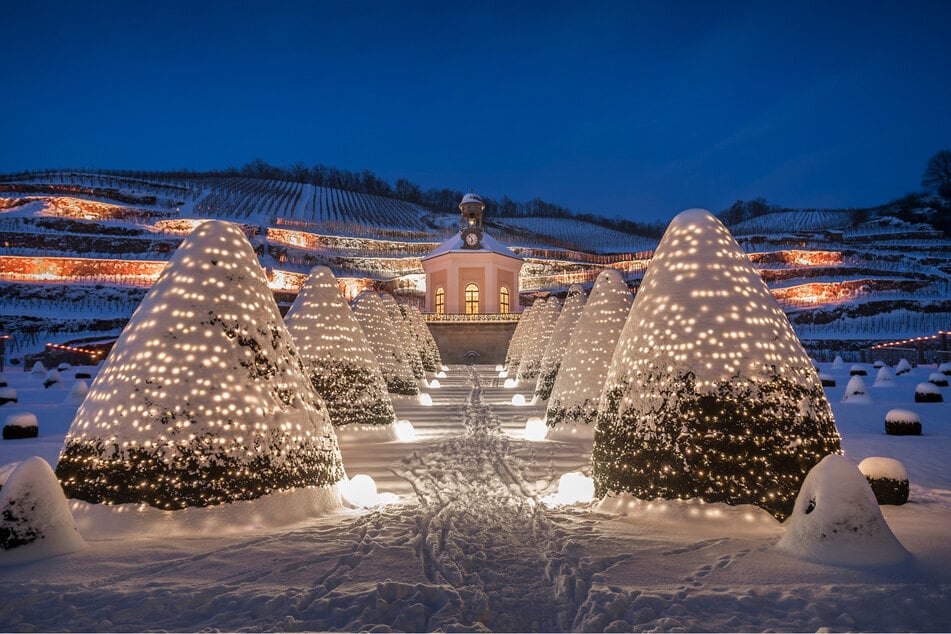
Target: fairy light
x,y
406,343
540,334
203,399
335,352
558,345
710,394
382,336
577,389
513,356
425,342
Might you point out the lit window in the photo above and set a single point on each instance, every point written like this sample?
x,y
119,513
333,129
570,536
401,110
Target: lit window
x,y
440,301
472,299
504,299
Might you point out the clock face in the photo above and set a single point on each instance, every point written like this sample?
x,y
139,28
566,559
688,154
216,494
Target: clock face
x,y
471,238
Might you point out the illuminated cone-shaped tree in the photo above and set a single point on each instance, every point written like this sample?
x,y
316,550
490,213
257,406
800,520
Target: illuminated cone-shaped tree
x,y
573,407
339,362
531,361
406,345
381,334
558,345
425,343
513,355
710,393
203,399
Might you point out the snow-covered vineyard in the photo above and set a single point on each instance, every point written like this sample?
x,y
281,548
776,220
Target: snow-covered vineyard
x,y
670,461
95,242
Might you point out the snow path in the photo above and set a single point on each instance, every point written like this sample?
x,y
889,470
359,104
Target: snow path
x,y
471,547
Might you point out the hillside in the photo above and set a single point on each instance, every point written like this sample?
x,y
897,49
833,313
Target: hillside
x,y
79,249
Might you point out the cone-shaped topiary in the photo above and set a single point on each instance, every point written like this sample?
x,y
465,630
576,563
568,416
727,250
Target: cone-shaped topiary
x,y
406,345
558,345
381,334
710,394
203,399
531,362
338,359
425,343
513,356
577,390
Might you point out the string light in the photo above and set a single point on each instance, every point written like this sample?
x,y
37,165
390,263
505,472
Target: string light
x,y
558,345
203,399
709,394
540,334
382,336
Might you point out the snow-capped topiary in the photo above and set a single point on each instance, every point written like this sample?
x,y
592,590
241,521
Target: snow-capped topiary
x,y
878,364
888,479
53,379
938,378
425,343
858,370
856,392
513,356
8,395
531,363
21,425
928,393
336,355
903,367
710,394
827,380
838,363
902,422
573,406
35,521
382,336
203,399
3,381
38,369
558,345
837,520
945,369
406,344
77,393
885,377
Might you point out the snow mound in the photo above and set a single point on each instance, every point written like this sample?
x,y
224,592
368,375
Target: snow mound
x,y
837,520
903,367
577,390
945,368
938,379
140,521
709,393
885,377
77,393
573,488
827,380
8,395
838,363
35,522
38,369
203,399
53,378
336,355
858,370
687,516
558,345
902,416
856,392
928,393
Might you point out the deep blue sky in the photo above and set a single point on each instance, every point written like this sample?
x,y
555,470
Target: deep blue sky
x,y
631,109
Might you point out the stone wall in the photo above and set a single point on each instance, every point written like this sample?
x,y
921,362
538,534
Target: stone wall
x,y
489,339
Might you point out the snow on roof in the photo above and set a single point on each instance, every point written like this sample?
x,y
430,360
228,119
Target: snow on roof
x,y
202,378
454,245
471,198
332,344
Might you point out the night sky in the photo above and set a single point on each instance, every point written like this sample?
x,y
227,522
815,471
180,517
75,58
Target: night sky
x,y
632,109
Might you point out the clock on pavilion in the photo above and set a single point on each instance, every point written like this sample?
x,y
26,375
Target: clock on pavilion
x,y
471,273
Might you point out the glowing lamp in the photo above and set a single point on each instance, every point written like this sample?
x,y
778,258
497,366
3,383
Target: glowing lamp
x,y
535,429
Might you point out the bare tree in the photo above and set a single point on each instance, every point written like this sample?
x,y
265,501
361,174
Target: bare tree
x,y
937,175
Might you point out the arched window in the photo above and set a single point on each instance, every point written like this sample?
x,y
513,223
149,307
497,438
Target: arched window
x,y
472,299
440,301
504,299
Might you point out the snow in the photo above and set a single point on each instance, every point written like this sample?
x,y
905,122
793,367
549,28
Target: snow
x,y
36,522
558,344
938,379
902,367
836,520
876,467
539,336
471,545
383,337
455,245
21,419
77,393
945,368
885,377
927,388
858,370
902,416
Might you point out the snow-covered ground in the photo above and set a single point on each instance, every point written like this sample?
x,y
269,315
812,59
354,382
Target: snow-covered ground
x,y
473,544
